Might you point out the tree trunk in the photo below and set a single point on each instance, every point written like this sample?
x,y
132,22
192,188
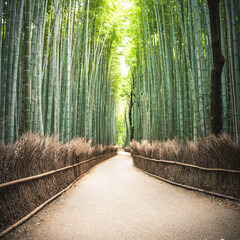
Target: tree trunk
x,y
131,126
218,62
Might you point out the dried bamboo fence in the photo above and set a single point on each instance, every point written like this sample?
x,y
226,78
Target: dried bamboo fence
x,y
127,149
210,165
215,181
21,198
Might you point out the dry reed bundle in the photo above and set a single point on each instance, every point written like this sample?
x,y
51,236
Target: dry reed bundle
x,y
135,147
33,155
211,152
127,149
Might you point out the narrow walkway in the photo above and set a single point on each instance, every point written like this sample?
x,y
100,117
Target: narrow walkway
x,y
116,201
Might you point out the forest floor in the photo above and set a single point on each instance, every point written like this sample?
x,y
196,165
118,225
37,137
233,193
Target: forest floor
x,y
116,201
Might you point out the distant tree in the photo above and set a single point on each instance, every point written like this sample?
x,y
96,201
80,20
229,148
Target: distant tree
x,y
130,111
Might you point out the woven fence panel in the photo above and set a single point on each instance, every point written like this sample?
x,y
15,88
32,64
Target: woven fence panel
x,y
225,183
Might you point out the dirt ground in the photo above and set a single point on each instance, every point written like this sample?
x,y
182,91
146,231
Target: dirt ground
x,y
116,201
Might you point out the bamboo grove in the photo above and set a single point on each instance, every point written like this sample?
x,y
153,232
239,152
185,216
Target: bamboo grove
x,y
171,61
60,73
55,69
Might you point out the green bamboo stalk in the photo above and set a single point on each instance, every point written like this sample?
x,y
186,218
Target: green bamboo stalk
x,y
232,84
33,70
40,68
178,77
224,78
27,66
236,55
1,38
68,78
10,67
202,71
4,71
169,85
15,75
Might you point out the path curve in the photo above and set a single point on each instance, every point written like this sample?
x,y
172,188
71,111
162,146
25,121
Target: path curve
x,y
115,201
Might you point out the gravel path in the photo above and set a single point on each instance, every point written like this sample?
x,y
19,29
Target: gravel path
x,y
116,201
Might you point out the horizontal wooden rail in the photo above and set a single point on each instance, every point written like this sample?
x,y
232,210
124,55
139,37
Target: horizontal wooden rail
x,y
189,165
45,174
189,187
24,219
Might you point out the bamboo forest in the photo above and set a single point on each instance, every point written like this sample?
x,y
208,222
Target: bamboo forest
x,y
131,104
113,71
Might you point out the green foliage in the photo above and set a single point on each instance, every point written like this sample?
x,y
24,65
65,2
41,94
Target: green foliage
x,y
70,69
170,57
74,81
